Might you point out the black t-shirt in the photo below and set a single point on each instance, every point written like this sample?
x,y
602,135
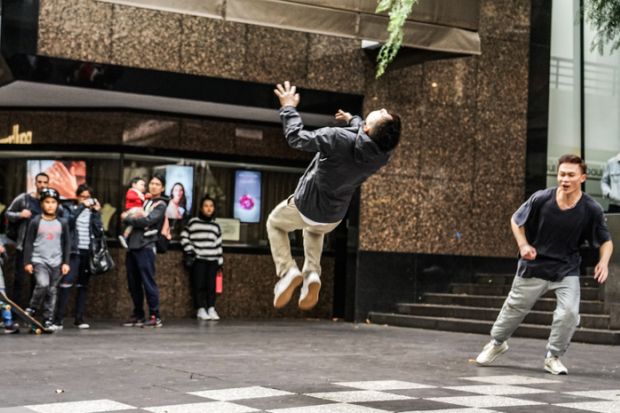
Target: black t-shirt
x,y
557,234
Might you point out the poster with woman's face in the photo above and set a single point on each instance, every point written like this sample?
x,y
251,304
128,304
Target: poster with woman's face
x,y
65,176
179,187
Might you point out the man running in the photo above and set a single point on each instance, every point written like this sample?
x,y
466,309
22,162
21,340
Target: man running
x,y
549,228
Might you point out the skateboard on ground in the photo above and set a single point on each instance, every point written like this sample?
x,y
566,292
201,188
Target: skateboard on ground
x,y
35,327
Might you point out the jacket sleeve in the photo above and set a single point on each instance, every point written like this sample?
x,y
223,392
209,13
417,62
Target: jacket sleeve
x,y
356,122
154,218
186,243
321,140
218,245
96,224
66,242
606,181
31,233
16,207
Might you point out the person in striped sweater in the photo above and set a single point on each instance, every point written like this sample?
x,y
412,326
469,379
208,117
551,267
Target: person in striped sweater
x,y
202,238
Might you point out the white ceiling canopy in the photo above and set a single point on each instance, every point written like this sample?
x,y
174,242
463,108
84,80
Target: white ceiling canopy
x,y
26,94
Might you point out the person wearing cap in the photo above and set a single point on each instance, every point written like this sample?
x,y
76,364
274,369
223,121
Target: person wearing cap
x,y
47,252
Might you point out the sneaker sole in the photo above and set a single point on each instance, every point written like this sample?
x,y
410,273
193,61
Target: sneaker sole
x,y
488,363
561,373
311,298
287,294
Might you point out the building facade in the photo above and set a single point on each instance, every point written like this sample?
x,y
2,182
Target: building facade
x,y
116,89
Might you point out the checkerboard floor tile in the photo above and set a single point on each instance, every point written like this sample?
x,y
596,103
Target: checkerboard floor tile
x,y
331,408
466,410
490,394
600,407
511,380
208,407
498,389
90,406
598,394
358,396
384,385
485,401
240,393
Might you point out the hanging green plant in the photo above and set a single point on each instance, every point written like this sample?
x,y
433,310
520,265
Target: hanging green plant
x,y
398,10
605,17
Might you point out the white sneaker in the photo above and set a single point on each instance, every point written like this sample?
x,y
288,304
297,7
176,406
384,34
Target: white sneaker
x,y
284,289
202,314
490,352
82,326
309,295
213,315
554,366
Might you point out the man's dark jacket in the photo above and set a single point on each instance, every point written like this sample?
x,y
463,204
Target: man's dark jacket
x,y
345,158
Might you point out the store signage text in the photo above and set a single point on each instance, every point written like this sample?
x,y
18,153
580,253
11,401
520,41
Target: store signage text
x,y
17,138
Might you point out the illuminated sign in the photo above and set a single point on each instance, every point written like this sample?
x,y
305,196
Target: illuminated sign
x,y
17,138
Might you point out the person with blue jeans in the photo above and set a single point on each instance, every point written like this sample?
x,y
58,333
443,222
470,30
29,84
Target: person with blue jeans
x,y
549,228
85,225
140,258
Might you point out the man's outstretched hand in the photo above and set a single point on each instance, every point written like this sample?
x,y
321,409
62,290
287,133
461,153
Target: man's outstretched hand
x,y
342,115
287,94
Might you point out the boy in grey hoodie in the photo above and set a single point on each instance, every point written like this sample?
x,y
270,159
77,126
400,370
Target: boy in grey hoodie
x,y
345,158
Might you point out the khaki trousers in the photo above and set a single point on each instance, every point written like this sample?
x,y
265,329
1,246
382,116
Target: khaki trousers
x,y
286,218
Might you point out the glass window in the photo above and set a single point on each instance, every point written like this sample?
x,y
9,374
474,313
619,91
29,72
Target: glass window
x,y
602,106
187,181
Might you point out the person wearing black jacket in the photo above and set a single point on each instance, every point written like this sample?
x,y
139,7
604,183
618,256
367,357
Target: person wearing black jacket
x,y
19,213
47,252
344,158
140,260
86,226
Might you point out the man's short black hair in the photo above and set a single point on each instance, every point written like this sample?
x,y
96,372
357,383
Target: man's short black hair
x,y
387,133
82,188
42,174
161,179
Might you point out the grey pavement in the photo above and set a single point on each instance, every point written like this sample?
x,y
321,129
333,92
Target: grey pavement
x,y
305,366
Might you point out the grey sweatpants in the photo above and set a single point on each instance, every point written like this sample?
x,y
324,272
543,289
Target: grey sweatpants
x,y
46,289
522,297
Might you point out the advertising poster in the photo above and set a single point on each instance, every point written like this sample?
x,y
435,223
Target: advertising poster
x,y
247,199
179,188
65,176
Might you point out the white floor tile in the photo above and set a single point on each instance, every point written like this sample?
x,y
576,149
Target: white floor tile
x,y
598,394
510,380
485,401
600,407
384,385
465,410
498,389
330,408
239,393
88,406
207,407
358,396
